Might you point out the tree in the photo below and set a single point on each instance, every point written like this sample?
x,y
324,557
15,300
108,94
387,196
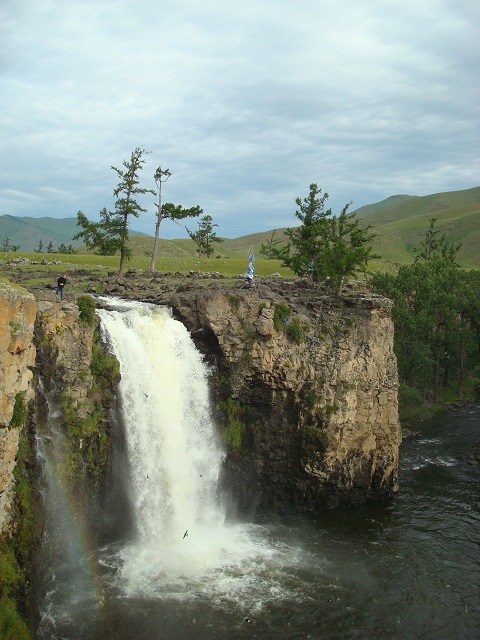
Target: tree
x,y
168,211
160,176
435,245
6,246
205,235
62,248
126,205
267,248
50,248
337,246
39,249
305,241
101,237
436,311
111,234
349,247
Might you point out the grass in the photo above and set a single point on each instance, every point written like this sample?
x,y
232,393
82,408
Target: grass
x,y
103,264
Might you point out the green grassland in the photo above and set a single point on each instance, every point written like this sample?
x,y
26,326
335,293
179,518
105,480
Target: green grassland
x,y
175,260
400,223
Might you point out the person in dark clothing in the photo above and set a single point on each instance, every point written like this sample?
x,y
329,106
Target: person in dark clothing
x,y
61,282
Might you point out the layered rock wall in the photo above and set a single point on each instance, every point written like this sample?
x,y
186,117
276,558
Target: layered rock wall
x,y
320,404
308,408
17,357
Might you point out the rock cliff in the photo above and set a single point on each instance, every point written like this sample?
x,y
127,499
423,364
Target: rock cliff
x,y
304,384
78,378
305,388
17,357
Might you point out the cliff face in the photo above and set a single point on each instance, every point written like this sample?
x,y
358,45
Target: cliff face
x,y
64,351
50,338
79,377
308,409
17,356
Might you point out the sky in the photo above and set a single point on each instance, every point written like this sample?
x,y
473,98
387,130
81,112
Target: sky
x,y
246,103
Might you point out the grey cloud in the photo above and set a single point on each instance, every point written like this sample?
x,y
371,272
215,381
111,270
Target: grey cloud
x,y
246,103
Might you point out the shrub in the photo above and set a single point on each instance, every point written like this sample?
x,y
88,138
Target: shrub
x,y
234,429
12,627
234,302
282,312
104,367
294,331
19,412
86,304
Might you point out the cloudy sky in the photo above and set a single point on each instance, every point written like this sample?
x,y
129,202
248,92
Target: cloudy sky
x,y
246,102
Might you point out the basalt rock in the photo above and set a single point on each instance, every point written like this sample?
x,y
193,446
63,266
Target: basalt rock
x,y
308,407
17,357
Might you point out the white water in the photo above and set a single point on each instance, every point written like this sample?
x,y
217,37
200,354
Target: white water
x,y
175,462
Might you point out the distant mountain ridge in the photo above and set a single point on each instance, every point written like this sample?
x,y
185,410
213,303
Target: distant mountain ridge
x,y
399,222
28,232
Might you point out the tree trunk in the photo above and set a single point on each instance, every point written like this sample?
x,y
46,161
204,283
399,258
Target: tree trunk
x,y
155,244
124,240
436,386
461,372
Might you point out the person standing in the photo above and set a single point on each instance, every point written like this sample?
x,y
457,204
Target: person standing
x,y
61,282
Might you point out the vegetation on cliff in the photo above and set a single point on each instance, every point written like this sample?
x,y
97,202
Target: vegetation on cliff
x,y
17,545
88,436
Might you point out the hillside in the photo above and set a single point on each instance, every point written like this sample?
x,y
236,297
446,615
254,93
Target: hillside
x,y
399,222
403,206
28,232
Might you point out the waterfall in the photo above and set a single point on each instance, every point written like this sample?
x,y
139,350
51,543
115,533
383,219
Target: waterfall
x,y
174,454
170,550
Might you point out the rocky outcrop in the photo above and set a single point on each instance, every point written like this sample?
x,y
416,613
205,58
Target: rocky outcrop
x,y
17,357
64,351
304,383
308,408
318,395
78,378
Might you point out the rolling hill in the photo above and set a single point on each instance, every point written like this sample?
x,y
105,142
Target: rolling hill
x,y
399,221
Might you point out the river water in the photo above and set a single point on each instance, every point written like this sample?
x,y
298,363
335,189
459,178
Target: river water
x,y
407,568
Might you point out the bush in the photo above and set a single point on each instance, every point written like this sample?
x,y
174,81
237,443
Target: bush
x,y
294,331
282,312
234,430
104,367
12,627
19,412
86,304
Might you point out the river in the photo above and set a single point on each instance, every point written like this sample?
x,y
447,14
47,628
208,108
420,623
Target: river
x,y
405,569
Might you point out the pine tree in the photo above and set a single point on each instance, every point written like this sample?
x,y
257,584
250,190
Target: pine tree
x,y
337,247
111,234
205,235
